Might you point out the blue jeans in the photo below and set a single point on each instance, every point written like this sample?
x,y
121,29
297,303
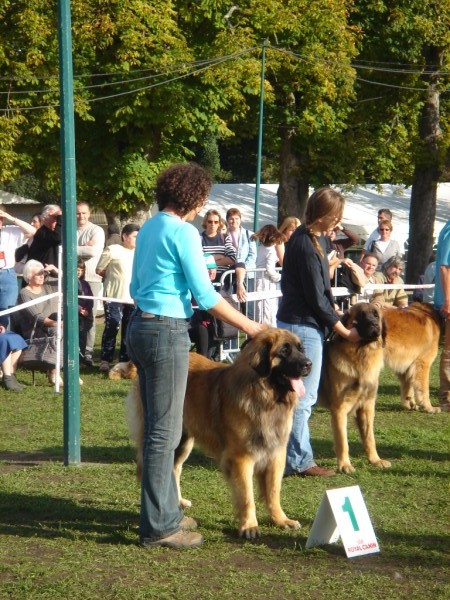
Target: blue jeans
x,y
159,347
116,316
8,292
299,452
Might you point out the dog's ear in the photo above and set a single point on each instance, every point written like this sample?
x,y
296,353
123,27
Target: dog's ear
x,y
384,329
261,361
345,318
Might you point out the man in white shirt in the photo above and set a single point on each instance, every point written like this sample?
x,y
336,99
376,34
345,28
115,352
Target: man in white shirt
x,y
91,241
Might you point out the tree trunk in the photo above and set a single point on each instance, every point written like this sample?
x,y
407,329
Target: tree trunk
x,y
139,216
293,189
426,175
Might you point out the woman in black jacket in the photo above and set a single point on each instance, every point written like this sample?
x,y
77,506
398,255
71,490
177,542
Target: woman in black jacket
x,y
307,308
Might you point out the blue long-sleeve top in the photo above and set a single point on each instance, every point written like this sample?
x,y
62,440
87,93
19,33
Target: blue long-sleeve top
x,y
168,265
305,284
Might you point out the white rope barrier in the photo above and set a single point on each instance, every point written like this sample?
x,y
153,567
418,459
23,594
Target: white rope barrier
x,y
251,297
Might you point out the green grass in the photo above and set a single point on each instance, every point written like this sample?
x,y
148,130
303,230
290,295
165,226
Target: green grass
x,y
71,532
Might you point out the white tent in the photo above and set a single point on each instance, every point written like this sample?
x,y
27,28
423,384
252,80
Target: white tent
x,y
360,212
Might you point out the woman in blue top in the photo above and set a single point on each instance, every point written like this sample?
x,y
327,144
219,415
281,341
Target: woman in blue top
x,y
169,265
307,308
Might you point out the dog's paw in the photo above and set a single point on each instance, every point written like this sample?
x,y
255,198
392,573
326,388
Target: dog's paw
x,y
410,405
381,464
290,524
184,503
250,533
346,468
432,410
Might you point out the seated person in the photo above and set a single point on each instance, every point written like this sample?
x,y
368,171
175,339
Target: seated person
x,y
354,276
38,320
11,346
390,274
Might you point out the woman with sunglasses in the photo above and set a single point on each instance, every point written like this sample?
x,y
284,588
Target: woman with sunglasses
x,y
217,243
39,317
384,248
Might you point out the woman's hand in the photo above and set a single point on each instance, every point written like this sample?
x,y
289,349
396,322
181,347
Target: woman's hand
x,y
50,268
353,335
349,334
253,328
241,292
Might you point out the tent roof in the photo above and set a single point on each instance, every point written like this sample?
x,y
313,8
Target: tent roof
x,y
6,198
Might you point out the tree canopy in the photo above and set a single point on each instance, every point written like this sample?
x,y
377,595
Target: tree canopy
x,y
349,88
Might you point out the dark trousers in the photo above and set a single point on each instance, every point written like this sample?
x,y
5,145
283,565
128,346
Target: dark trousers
x,y
117,317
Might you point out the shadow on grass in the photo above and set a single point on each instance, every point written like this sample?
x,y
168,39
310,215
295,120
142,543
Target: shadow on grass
x,y
93,454
28,515
89,454
324,448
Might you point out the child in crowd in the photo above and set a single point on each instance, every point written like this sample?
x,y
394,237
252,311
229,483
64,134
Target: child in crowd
x,y
268,237
85,306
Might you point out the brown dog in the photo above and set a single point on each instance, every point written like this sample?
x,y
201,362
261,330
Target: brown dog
x,y
412,344
241,414
349,382
123,370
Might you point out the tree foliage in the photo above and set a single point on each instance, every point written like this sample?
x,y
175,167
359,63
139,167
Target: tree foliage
x,y
349,86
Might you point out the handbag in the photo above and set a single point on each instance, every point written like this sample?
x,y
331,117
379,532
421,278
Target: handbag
x,y
221,331
41,352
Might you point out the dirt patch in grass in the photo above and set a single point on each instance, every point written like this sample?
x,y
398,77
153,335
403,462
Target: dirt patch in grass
x,y
13,461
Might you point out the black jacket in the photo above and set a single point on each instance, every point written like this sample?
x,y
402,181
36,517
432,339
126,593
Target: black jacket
x,y
44,247
305,284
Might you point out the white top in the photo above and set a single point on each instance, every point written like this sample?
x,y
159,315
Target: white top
x,y
11,238
91,254
118,263
375,235
266,258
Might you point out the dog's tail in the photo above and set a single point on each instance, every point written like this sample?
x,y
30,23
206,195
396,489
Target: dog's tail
x,y
135,419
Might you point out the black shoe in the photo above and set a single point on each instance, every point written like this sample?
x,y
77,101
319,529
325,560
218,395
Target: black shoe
x,y
86,360
11,384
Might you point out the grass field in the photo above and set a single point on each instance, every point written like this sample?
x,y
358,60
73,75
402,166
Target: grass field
x,y
71,532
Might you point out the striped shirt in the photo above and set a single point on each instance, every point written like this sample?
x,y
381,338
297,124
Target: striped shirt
x,y
219,244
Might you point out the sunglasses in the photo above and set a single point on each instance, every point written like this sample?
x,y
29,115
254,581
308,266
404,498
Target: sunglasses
x,y
213,222
39,273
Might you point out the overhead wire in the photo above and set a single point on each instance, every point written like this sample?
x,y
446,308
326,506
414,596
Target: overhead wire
x,y
200,66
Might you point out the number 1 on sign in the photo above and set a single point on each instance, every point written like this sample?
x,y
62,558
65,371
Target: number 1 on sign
x,y
348,508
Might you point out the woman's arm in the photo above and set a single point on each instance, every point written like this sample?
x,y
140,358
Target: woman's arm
x,y
349,334
279,248
28,229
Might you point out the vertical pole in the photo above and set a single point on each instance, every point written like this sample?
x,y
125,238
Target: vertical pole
x,y
260,135
70,284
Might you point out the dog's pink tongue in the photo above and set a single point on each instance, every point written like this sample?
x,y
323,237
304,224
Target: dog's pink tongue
x,y
298,387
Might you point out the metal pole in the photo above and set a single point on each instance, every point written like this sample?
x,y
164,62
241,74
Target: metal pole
x,y
260,135
70,284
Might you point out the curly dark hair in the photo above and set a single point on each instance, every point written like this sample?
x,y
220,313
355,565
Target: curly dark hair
x,y
182,187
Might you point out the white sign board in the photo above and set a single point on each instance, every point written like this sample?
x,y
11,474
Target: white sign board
x,y
343,513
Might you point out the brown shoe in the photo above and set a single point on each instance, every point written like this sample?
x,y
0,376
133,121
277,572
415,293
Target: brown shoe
x,y
180,540
188,524
317,471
